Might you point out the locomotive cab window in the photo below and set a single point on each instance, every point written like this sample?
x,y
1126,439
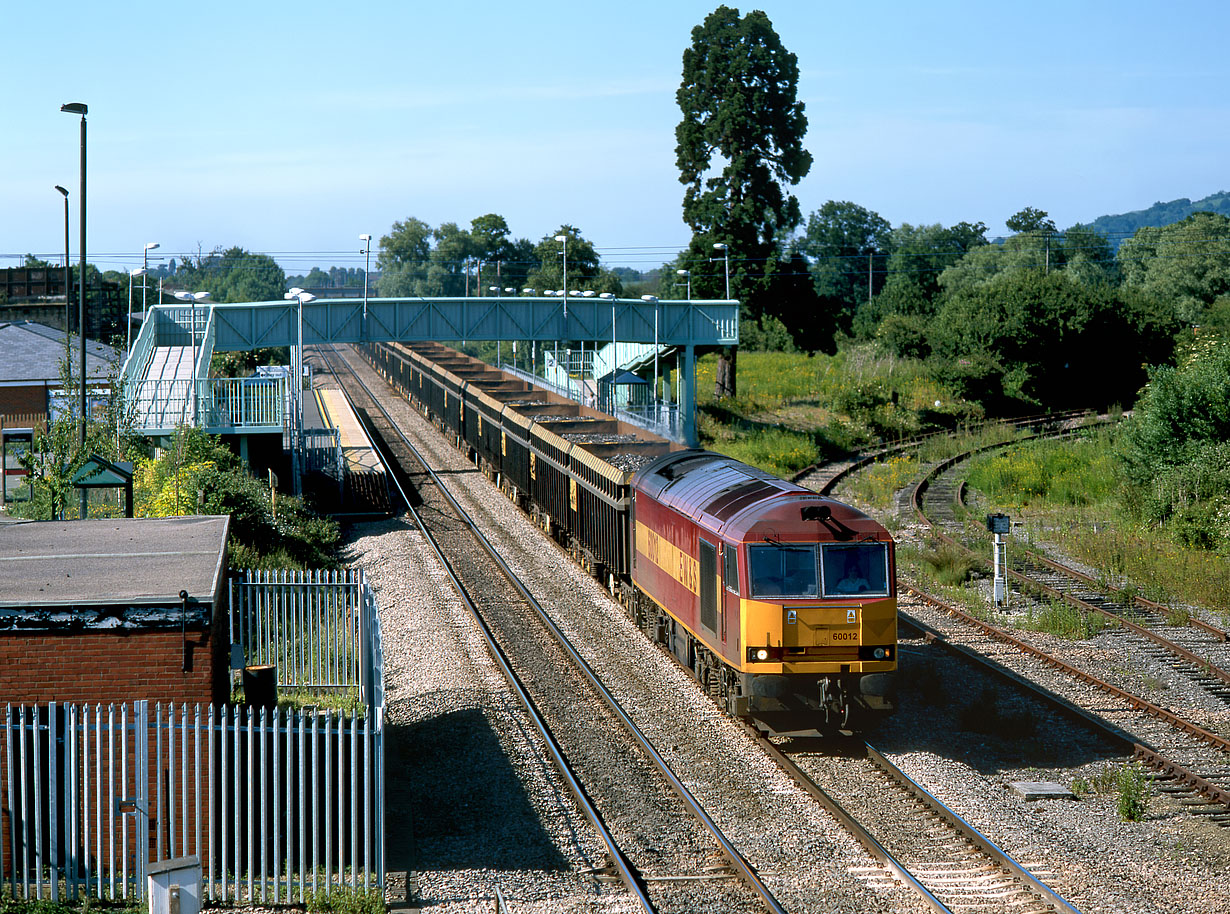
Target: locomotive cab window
x,y
730,559
776,570
855,569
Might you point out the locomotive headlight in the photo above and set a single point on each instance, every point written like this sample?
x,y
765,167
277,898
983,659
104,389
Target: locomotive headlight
x,y
879,653
762,654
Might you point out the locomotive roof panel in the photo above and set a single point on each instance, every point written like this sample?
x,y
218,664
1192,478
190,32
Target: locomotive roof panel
x,y
742,502
803,517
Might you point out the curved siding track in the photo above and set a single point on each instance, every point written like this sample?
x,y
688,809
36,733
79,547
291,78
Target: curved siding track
x,y
1193,709
808,861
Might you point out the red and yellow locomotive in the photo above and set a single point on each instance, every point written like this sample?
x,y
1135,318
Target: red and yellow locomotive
x,y
780,602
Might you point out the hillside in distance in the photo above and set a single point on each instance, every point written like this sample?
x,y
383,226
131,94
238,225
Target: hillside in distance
x,y
1116,228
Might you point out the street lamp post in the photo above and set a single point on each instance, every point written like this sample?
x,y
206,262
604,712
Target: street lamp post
x,y
657,395
687,275
150,246
725,249
132,274
564,239
367,249
192,298
302,297
81,108
68,284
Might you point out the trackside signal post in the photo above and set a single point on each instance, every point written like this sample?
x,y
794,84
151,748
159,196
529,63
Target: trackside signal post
x,y
1000,526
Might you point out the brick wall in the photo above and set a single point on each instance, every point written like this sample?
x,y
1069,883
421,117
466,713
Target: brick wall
x,y
27,400
112,666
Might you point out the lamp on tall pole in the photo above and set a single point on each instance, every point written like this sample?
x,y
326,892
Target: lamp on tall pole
x,y
192,298
132,274
657,393
81,108
725,249
68,283
150,246
302,297
564,239
687,275
367,249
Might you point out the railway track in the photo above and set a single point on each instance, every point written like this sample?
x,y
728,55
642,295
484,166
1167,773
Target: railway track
x,y
915,837
1174,738
664,847
826,476
888,868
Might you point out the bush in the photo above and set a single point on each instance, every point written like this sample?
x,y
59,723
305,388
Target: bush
x,y
200,475
949,565
1192,496
1133,785
343,900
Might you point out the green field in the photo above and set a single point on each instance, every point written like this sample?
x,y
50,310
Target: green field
x,y
793,409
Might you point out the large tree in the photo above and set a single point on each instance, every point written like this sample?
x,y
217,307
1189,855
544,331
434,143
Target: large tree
x,y
740,144
846,246
584,269
1024,339
405,253
1186,264
233,275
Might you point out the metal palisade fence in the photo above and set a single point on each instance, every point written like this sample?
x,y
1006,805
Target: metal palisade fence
x,y
277,804
316,627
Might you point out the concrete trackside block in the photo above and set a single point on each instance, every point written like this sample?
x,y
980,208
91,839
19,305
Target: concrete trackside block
x,y
174,886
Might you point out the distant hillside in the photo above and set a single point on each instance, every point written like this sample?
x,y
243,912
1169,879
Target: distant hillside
x,y
1116,228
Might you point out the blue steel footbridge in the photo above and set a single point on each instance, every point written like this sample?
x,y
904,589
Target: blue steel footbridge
x,y
166,378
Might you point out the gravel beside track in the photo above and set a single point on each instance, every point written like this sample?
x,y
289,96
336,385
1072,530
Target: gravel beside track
x,y
1171,861
804,857
472,801
459,744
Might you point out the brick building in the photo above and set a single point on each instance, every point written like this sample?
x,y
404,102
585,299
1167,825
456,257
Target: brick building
x,y
90,610
31,356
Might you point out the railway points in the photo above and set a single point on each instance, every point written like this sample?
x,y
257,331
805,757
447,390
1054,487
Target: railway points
x,y
1045,819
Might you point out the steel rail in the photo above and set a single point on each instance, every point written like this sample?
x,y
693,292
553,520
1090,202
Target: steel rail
x,y
1213,792
627,872
984,844
860,832
1143,602
732,854
1218,633
860,461
886,858
1139,630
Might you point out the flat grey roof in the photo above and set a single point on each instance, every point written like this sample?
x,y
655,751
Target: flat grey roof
x,y
31,352
111,561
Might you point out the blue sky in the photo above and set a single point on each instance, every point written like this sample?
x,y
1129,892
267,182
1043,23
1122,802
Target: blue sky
x,y
290,129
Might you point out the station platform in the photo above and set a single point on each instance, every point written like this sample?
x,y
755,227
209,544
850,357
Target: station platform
x,y
364,482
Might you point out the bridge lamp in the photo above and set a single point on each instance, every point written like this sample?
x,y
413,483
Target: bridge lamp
x,y
367,249
151,246
725,249
687,275
132,274
192,298
301,296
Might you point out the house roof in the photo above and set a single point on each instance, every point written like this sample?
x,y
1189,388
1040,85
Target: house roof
x,y
32,353
124,561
